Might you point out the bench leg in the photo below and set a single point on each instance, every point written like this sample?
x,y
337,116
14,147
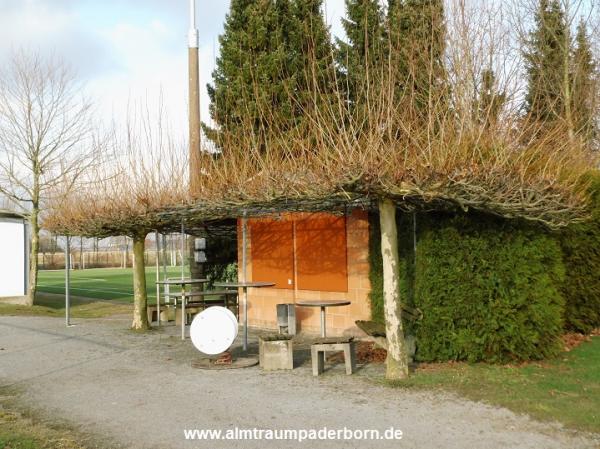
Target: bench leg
x,y
350,358
318,360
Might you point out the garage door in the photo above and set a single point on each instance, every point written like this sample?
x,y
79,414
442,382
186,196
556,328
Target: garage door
x,y
12,258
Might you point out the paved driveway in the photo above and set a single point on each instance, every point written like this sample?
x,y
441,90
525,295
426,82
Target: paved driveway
x,y
139,391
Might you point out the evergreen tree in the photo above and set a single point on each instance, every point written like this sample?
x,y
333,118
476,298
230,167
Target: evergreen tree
x,y
545,63
584,73
489,102
363,54
417,36
263,76
310,39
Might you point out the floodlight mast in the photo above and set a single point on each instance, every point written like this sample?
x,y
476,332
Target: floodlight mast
x,y
194,98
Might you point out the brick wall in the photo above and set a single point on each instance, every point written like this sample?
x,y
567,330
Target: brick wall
x,y
340,320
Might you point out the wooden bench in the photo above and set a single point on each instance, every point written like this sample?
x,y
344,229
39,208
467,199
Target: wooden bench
x,y
322,345
376,333
197,301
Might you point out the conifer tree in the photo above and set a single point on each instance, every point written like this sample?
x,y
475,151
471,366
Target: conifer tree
x,y
490,101
545,63
584,73
364,51
417,36
263,76
310,40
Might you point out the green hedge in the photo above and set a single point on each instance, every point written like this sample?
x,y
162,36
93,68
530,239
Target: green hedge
x,y
581,252
487,287
488,290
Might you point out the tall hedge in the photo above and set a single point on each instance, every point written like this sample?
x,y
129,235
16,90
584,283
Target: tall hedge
x,y
581,252
488,290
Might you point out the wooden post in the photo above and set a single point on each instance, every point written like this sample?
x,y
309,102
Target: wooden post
x,y
140,297
397,359
194,99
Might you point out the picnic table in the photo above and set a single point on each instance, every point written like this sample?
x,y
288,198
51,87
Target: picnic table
x,y
323,304
244,286
183,283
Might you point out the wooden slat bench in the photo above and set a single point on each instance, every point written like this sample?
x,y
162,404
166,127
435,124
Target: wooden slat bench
x,y
376,333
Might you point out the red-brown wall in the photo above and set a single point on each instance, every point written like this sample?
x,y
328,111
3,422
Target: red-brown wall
x,y
326,255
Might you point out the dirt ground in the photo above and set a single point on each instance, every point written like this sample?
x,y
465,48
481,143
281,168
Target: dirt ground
x,y
136,390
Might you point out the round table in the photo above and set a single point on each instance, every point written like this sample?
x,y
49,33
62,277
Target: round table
x,y
244,286
323,304
183,282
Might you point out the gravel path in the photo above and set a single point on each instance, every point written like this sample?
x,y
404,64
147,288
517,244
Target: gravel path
x,y
139,391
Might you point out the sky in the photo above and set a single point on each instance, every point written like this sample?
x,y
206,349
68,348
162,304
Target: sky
x,y
126,51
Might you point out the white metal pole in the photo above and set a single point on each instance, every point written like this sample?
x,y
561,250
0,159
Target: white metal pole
x,y
182,247
244,290
67,283
156,253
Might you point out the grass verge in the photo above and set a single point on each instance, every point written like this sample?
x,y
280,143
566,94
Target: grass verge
x,y
566,389
55,307
20,430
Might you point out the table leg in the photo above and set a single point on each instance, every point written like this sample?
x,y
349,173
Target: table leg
x,y
245,292
158,305
323,322
183,313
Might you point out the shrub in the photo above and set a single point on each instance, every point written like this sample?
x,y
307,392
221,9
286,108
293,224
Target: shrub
x,y
488,290
581,253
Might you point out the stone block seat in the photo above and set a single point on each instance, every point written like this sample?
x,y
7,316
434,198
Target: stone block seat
x,y
327,344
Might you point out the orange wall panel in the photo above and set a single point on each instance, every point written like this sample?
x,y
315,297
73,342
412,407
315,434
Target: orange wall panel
x,y
321,259
272,251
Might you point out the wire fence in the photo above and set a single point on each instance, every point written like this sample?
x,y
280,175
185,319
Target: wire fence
x,y
102,259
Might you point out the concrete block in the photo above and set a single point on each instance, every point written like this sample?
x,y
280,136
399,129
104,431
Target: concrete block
x,y
165,314
190,313
275,354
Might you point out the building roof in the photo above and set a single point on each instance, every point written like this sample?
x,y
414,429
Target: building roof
x,y
5,213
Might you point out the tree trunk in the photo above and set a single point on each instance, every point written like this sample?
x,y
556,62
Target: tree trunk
x,y
140,298
34,229
567,87
397,358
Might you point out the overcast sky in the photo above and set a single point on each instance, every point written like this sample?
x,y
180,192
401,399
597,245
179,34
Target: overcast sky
x,y
125,49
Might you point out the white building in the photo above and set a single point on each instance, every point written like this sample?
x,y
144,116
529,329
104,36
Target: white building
x,y
14,254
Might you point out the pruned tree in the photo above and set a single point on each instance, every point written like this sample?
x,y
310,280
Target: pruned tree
x,y
149,172
385,159
46,137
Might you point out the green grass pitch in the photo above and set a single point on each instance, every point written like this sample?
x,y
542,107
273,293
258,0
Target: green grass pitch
x,y
102,283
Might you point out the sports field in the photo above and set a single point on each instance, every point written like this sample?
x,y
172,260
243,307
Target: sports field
x,y
102,283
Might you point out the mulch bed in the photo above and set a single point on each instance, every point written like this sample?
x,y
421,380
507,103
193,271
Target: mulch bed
x,y
572,339
367,352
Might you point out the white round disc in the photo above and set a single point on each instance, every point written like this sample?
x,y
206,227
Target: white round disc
x,y
213,330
